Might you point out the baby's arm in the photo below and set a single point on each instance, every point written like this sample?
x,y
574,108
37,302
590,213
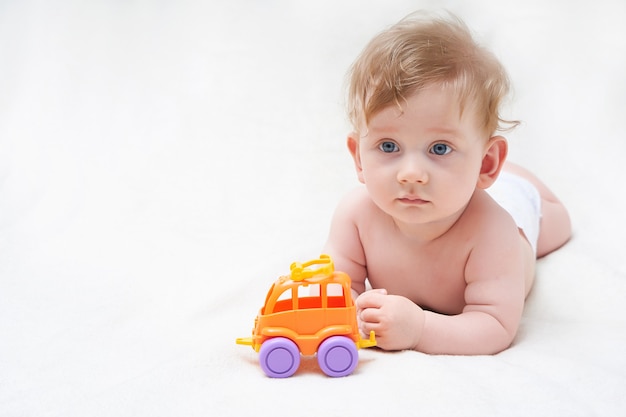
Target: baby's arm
x,y
490,319
344,243
494,302
487,325
494,298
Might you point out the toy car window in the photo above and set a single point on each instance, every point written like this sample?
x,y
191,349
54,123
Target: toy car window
x,y
334,289
312,290
283,303
286,295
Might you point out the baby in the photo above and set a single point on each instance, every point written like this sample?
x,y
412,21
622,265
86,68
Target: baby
x,y
445,232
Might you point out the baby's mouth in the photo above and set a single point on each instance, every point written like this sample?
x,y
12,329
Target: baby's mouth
x,y
413,200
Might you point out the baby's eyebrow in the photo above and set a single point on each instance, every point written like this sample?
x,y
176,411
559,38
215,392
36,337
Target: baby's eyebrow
x,y
444,129
385,129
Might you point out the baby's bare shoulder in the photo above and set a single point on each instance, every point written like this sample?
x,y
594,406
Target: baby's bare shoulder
x,y
357,203
486,217
494,231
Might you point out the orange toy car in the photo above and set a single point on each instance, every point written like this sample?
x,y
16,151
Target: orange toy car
x,y
309,311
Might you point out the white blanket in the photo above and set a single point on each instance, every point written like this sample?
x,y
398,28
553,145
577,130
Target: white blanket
x,y
161,163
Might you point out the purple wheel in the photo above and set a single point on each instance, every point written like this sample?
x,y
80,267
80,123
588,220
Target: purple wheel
x,y
337,356
279,357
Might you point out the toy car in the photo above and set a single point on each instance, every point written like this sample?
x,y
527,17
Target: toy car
x,y
308,312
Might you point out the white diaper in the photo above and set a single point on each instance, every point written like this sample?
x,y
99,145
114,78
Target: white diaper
x,y
522,201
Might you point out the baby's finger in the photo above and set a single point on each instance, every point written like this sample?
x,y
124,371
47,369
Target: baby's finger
x,y
369,315
371,299
367,326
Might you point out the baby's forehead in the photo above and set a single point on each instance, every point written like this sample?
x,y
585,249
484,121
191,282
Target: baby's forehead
x,y
458,107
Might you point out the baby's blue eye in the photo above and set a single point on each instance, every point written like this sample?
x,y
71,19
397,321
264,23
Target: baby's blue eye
x,y
388,147
440,149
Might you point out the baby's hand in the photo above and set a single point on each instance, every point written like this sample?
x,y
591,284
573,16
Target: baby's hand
x,y
396,320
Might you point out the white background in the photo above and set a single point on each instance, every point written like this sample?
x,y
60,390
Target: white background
x,y
161,162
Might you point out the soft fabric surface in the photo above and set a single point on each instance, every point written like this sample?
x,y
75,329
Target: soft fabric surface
x,y
161,163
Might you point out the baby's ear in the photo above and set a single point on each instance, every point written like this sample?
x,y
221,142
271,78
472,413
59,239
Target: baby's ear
x,y
493,161
353,147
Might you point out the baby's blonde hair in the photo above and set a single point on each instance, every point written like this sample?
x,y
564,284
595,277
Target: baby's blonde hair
x,y
420,51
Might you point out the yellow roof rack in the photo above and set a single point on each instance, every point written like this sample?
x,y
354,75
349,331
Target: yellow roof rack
x,y
303,271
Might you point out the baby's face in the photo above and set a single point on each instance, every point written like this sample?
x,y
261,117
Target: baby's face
x,y
422,165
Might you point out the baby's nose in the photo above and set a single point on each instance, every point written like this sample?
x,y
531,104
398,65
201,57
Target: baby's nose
x,y
411,171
